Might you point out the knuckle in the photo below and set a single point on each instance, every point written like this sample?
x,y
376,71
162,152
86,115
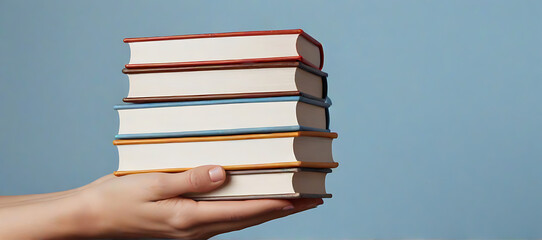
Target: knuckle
x,y
182,223
184,218
194,180
159,183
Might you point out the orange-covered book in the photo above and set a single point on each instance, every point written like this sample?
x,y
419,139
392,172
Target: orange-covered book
x,y
234,152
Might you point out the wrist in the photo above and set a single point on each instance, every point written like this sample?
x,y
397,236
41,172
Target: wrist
x,y
66,218
52,219
82,219
10,201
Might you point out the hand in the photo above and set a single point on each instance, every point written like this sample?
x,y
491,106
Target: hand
x,y
149,205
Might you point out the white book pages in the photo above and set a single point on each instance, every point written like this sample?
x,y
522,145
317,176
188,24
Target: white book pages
x,y
137,157
270,183
220,117
224,48
230,81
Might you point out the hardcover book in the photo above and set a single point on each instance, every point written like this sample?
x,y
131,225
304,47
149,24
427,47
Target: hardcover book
x,y
209,82
253,102
225,48
222,117
285,183
236,152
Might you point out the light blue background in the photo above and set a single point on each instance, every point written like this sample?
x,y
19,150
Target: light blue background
x,y
438,106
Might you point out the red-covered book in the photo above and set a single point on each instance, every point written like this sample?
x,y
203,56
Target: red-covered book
x,y
225,48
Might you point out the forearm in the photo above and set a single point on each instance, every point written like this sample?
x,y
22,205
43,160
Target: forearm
x,y
59,218
140,205
8,201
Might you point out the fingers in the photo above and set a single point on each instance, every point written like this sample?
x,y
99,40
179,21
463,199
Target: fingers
x,y
231,211
228,226
200,179
219,211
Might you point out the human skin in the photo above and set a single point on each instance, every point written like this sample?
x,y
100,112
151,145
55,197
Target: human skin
x,y
139,205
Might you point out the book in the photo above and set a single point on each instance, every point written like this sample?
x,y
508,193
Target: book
x,y
253,102
222,117
209,82
236,152
225,48
285,183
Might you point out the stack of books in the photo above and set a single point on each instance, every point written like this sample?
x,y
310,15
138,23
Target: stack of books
x,y
253,102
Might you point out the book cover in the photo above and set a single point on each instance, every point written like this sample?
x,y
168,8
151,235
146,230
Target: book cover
x,y
223,195
300,32
237,152
290,64
324,104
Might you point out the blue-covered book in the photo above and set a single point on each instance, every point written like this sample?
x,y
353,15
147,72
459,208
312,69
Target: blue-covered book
x,y
222,117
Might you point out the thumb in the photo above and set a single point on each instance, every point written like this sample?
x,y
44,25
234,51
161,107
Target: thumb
x,y
200,179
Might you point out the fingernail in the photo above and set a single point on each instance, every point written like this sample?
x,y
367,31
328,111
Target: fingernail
x,y
216,174
289,207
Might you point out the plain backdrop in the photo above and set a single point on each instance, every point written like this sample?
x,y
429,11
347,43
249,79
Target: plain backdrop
x,y
437,105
